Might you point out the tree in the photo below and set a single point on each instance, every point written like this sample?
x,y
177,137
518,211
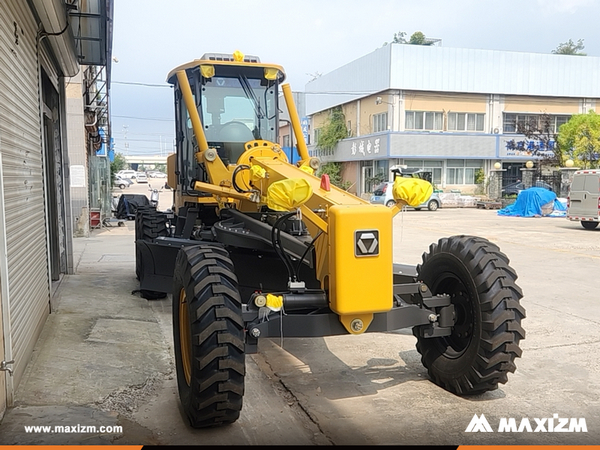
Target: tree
x,y
542,139
119,163
399,38
313,76
580,139
333,131
334,169
570,48
161,167
418,38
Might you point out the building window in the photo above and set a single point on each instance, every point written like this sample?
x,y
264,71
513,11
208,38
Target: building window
x,y
379,122
511,120
465,121
424,120
435,167
286,140
317,132
462,171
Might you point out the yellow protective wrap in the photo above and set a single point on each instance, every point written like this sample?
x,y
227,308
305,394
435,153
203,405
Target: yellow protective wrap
x,y
309,170
238,56
257,173
286,195
271,73
207,71
274,302
413,191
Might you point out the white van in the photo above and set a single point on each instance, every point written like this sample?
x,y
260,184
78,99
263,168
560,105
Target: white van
x,y
584,198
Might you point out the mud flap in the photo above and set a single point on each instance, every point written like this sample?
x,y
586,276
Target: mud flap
x,y
157,265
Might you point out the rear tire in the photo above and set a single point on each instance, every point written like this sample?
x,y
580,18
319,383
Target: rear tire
x,y
208,332
390,203
589,225
484,342
433,205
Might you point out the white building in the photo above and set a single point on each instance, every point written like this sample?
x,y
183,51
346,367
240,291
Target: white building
x,y
451,111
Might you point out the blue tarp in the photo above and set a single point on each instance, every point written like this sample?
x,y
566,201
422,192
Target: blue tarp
x,y
530,201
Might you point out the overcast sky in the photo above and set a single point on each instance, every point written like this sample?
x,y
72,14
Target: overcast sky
x,y
306,37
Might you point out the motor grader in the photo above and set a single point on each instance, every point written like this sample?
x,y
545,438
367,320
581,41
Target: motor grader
x,y
256,247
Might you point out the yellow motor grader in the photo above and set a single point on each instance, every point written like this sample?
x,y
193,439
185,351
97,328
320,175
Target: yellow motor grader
x,y
258,247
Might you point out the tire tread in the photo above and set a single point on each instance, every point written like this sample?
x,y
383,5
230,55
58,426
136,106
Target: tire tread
x,y
500,315
214,397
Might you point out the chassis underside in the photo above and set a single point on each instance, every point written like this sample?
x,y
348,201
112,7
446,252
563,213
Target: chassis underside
x,y
305,311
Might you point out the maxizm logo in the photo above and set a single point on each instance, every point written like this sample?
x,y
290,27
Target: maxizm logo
x,y
553,424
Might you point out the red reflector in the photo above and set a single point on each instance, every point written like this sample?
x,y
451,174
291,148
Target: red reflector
x,y
384,188
325,185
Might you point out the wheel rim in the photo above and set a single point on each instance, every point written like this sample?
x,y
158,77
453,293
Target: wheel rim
x,y
433,206
185,342
458,342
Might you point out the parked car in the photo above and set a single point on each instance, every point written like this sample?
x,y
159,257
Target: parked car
x,y
141,177
127,174
518,186
382,195
122,183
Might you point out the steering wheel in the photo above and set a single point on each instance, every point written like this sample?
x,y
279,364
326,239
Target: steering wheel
x,y
235,131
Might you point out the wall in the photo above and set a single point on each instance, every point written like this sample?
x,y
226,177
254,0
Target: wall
x,y
368,108
429,101
2,374
77,155
537,105
350,173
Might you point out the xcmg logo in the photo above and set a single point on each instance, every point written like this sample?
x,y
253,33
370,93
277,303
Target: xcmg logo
x,y
553,424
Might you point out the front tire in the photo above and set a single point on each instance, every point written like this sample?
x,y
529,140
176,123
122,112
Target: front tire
x,y
484,342
208,332
589,225
433,205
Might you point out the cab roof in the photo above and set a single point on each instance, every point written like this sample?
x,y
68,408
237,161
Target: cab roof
x,y
224,59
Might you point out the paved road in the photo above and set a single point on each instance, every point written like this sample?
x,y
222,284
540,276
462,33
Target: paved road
x,y
368,389
373,388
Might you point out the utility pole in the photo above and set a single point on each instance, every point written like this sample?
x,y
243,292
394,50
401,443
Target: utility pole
x,y
126,145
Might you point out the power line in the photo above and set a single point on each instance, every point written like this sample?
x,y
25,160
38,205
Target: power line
x,y
133,83
144,118
338,93
151,134
116,138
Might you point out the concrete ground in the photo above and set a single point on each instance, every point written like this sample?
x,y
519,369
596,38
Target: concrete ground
x,y
105,356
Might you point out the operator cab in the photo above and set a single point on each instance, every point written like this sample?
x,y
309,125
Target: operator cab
x,y
237,100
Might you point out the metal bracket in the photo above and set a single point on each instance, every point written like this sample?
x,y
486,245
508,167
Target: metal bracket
x,y
4,366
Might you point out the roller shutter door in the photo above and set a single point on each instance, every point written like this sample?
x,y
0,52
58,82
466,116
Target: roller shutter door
x,y
22,165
